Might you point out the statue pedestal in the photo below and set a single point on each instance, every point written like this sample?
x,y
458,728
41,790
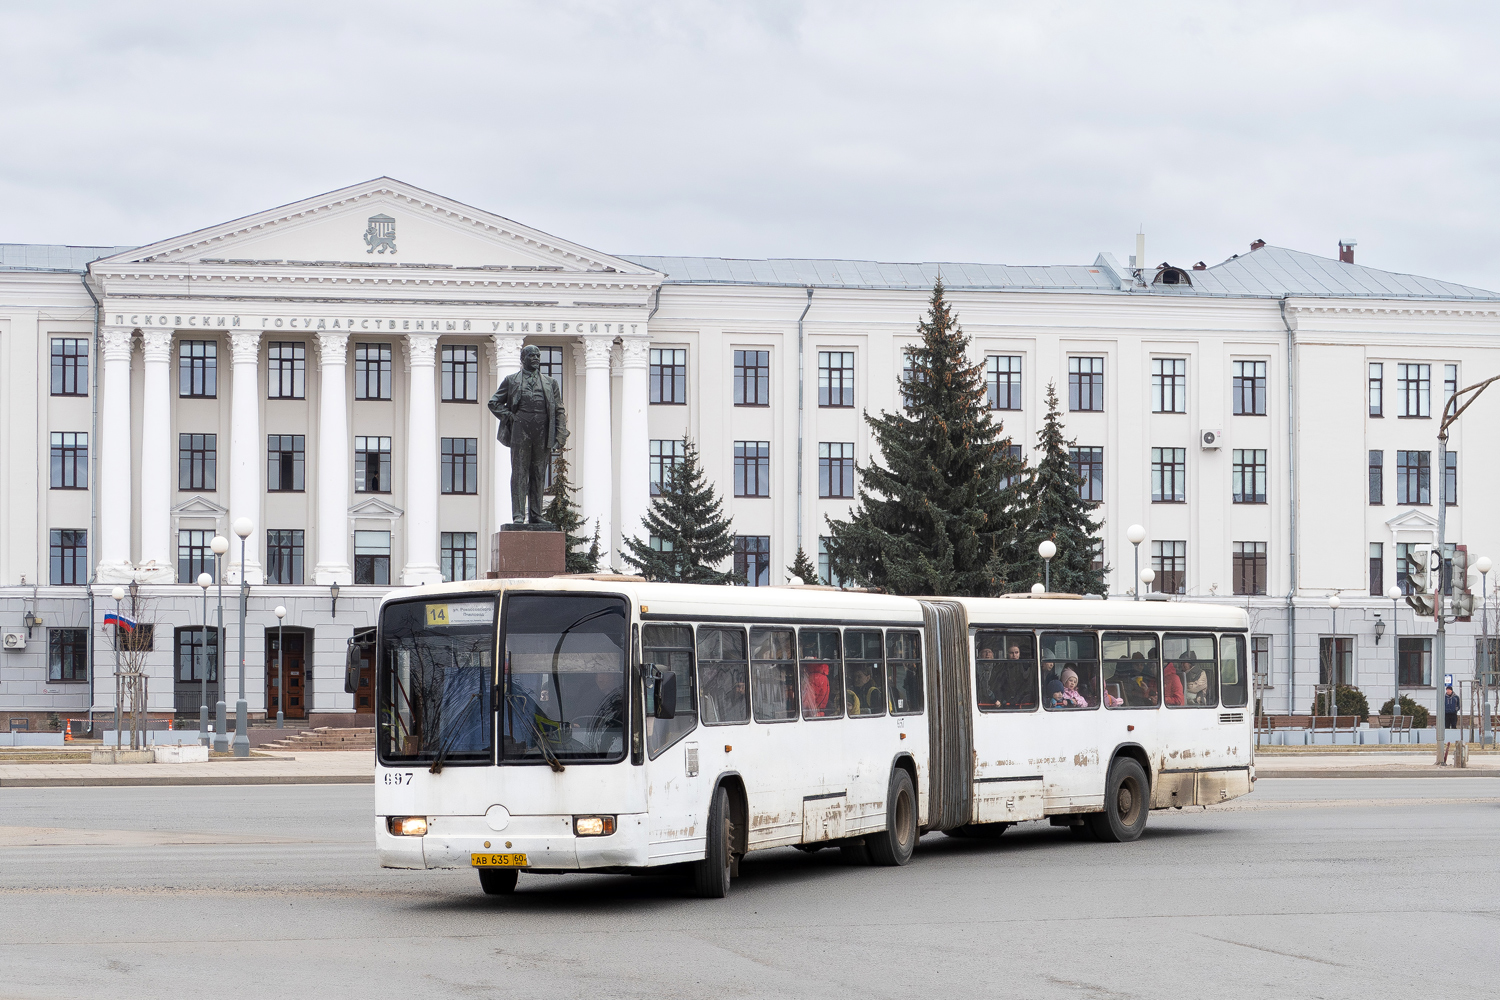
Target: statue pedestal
x,y
527,550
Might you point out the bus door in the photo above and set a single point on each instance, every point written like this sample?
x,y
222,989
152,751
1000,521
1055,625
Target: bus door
x,y
1071,732
773,769
1189,720
1007,782
677,800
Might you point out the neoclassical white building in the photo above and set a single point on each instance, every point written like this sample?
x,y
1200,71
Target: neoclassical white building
x,y
321,369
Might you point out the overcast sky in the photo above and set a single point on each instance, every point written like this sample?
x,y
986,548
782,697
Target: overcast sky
x,y
1004,133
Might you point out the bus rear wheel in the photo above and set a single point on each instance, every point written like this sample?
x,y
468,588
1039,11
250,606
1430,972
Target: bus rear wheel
x,y
497,881
1126,801
711,875
894,845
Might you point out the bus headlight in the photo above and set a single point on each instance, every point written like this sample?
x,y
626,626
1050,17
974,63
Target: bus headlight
x,y
407,826
593,826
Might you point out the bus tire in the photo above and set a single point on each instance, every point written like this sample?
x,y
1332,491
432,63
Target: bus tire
x,y
1127,798
894,845
497,881
711,875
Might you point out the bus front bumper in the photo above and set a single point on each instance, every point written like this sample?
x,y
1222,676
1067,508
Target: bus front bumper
x,y
547,841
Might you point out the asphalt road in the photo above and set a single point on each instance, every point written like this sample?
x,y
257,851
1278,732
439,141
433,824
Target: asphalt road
x,y
1310,887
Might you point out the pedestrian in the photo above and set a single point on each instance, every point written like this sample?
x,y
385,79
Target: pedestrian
x,y
1450,709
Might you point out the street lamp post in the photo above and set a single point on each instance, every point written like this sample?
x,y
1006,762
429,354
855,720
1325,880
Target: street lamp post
x,y
205,581
1148,576
1395,595
1483,564
1047,550
1333,659
119,595
220,546
1136,534
242,527
280,675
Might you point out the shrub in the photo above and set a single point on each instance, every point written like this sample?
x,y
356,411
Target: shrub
x,y
1350,701
1419,714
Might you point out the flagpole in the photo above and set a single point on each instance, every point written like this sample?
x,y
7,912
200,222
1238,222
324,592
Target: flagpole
x,y
119,595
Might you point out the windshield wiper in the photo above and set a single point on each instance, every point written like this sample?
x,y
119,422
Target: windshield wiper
x,y
437,762
541,739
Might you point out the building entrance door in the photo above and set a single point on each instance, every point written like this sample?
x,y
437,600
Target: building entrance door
x,y
294,666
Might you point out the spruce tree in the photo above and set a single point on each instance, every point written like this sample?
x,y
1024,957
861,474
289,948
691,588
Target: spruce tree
x,y
803,568
562,510
939,517
687,518
1054,508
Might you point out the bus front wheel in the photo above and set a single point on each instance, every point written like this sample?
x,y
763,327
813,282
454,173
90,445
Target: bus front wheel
x,y
895,844
1126,802
497,881
711,875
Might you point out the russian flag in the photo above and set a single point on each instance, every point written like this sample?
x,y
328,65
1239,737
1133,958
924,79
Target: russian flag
x,y
119,621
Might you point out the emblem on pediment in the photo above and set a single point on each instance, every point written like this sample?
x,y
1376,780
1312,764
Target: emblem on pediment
x,y
381,234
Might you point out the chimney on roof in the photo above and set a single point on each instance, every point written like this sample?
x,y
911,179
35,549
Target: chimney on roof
x,y
1257,244
1200,266
1346,251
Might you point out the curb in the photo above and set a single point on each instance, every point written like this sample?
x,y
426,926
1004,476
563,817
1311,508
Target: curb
x,y
1376,772
228,779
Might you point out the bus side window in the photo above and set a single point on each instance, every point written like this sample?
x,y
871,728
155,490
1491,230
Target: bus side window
x,y
1233,681
773,674
904,657
670,648
864,660
822,674
1132,670
1070,670
1005,671
723,675
1188,676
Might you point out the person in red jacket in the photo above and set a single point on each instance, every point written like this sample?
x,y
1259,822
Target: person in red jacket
x,y
815,688
1172,685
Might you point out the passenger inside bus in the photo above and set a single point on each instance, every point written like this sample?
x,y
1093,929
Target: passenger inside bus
x,y
1131,671
773,684
1172,685
1006,678
815,688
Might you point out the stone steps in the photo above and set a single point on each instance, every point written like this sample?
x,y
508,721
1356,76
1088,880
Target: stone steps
x,y
325,738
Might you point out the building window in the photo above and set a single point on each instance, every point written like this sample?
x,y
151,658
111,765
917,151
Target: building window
x,y
826,575
752,559
1002,378
752,468
1416,661
1169,385
1450,478
70,460
1413,477
1377,478
836,469
1335,660
198,369
1168,475
1249,568
372,557
1413,389
1260,659
1250,388
1096,555
1377,389
1088,466
286,463
197,654
194,554
1169,560
70,366
68,557
67,655
668,375
197,461
1450,384
460,555
1085,383
372,465
461,374
1248,475
286,370
552,362
835,378
461,467
284,556
909,375
1017,454
372,371
1408,564
665,456
752,378
1377,569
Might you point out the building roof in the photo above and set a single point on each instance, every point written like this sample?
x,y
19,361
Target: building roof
x,y
1279,271
47,257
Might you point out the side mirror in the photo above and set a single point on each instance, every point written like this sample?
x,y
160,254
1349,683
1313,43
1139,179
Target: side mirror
x,y
353,660
664,695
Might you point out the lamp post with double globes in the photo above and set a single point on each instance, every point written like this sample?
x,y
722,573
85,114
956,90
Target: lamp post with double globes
x,y
280,674
1135,534
220,546
1395,595
1333,658
205,581
242,527
1047,550
1148,576
1486,670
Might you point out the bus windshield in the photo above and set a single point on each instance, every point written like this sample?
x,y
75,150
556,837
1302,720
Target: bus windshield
x,y
437,661
564,682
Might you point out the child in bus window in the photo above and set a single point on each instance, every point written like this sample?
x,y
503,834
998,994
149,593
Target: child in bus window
x,y
1070,696
1053,693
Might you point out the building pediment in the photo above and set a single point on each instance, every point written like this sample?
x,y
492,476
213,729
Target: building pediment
x,y
376,509
199,507
1412,520
383,223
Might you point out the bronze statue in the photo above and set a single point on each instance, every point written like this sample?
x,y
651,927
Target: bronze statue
x,y
534,426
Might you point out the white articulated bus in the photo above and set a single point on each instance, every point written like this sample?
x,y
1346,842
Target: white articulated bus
x,y
609,724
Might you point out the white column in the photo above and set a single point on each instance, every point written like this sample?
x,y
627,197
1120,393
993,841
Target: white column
x,y
112,547
507,360
598,459
421,463
157,455
635,449
333,462
245,450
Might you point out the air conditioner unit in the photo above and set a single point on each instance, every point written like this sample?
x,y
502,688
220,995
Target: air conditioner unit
x,y
15,640
1209,440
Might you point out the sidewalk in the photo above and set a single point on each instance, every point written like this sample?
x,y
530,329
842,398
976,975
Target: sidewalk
x,y
315,768
1369,762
